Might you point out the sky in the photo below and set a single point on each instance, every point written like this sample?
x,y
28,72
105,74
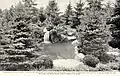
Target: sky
x,y
61,3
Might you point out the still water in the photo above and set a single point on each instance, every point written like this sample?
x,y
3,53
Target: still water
x,y
60,50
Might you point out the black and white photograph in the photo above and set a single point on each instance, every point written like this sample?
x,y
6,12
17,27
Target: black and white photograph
x,y
60,35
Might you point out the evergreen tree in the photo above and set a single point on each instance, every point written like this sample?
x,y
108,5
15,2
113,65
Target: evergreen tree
x,y
108,9
26,10
30,7
8,15
77,14
91,32
41,15
18,46
1,17
108,12
115,29
52,13
67,17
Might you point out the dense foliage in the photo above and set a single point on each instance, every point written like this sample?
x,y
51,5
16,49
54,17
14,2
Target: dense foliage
x,y
78,13
21,33
52,13
114,21
92,33
67,16
90,60
21,36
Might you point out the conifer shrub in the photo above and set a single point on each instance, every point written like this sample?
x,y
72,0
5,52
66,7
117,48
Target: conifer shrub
x,y
106,58
90,60
43,62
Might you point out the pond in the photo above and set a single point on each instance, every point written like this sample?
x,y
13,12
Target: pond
x,y
60,50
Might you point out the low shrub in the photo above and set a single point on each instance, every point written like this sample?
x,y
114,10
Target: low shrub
x,y
15,66
106,58
113,65
90,60
48,63
103,67
11,67
43,62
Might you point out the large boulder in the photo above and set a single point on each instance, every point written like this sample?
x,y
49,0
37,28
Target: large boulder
x,y
79,57
113,53
76,50
75,43
70,33
71,38
45,29
66,63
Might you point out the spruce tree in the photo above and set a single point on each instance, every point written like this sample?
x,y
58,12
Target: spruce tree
x,y
91,32
77,14
18,47
52,13
30,7
41,15
68,14
108,9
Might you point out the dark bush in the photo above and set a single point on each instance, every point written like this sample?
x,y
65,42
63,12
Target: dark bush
x,y
14,67
11,68
48,63
114,42
55,37
43,62
90,60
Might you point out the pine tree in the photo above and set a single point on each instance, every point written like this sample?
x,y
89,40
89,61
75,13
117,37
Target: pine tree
x,y
18,47
30,7
41,15
77,14
52,13
108,9
67,17
20,34
91,32
114,21
8,15
26,10
108,12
